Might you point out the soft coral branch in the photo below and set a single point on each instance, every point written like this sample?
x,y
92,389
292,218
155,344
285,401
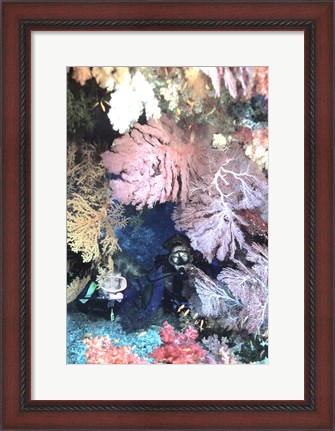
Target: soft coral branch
x,y
177,347
241,82
101,351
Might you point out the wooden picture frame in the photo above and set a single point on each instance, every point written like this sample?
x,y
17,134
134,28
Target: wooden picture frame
x,y
315,18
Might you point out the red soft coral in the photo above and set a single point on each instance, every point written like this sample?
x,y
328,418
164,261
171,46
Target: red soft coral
x,y
101,351
177,347
262,81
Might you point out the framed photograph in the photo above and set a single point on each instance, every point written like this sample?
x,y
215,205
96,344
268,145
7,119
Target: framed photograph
x,y
167,215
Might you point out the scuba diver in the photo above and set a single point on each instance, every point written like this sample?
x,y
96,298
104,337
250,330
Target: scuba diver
x,y
136,296
99,298
159,289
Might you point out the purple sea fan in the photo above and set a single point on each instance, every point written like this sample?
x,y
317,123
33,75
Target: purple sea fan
x,y
215,299
239,181
210,217
209,222
250,286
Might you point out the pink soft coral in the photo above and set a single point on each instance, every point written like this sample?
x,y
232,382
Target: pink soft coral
x,y
102,351
177,347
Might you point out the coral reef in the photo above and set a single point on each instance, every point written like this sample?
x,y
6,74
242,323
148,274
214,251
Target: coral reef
x,y
81,74
249,284
219,141
252,349
262,86
220,350
79,114
177,347
86,225
87,106
255,144
154,164
105,77
75,287
253,223
238,300
241,82
129,101
210,218
154,152
92,216
101,351
209,298
186,94
82,326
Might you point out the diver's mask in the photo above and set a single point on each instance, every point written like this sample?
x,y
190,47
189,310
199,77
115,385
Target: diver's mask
x,y
180,258
113,287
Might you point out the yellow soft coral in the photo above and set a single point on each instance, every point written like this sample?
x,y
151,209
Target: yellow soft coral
x,y
81,74
83,228
85,225
92,216
196,81
75,287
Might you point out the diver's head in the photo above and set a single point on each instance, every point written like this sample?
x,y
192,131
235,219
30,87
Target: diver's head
x,y
176,240
179,257
113,286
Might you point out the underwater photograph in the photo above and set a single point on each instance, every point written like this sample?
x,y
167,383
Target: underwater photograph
x,y
167,215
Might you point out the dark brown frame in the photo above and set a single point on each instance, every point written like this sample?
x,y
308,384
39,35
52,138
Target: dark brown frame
x,y
315,18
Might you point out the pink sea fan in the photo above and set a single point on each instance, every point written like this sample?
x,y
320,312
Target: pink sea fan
x,y
154,163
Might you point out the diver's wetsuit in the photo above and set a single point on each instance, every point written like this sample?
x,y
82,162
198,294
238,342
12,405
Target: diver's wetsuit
x,y
152,291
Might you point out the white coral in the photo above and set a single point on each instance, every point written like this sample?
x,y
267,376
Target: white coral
x,y
219,141
129,101
171,95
